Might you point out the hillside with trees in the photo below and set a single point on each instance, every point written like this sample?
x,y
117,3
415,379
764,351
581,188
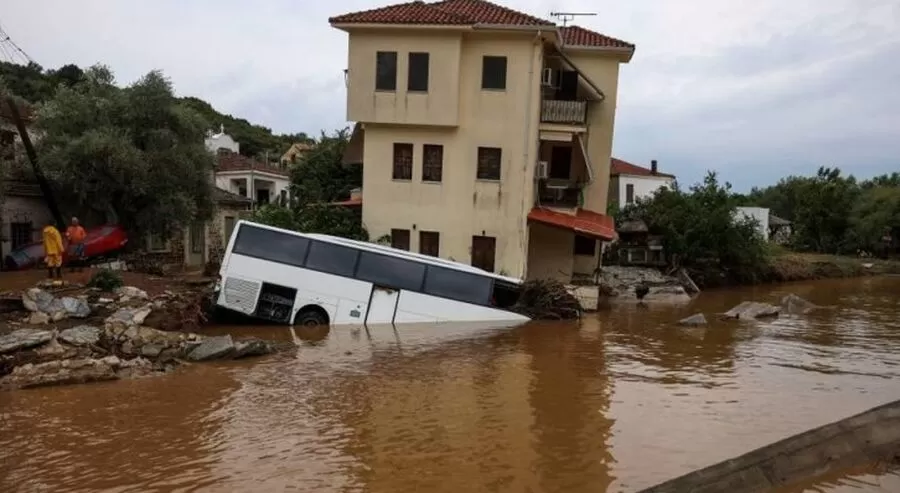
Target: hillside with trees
x,y
36,85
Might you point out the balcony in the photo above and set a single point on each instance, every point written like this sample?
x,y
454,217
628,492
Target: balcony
x,y
566,195
566,112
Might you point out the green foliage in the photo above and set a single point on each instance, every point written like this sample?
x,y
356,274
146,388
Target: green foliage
x,y
835,214
34,84
106,280
700,228
313,218
134,153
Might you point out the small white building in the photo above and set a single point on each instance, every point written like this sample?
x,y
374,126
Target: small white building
x,y
221,140
760,215
629,182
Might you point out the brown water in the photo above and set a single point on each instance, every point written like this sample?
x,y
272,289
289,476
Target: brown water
x,y
622,401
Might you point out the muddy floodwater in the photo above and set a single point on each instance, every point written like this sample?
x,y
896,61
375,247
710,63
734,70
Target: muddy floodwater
x,y
621,401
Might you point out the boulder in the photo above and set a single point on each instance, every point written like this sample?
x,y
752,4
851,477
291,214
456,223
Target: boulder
x,y
696,320
38,318
37,300
62,372
131,292
749,310
24,339
795,304
251,347
76,307
152,350
212,348
129,316
83,335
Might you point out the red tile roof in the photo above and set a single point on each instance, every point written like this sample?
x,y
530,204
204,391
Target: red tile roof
x,y
579,36
583,222
447,12
618,167
231,161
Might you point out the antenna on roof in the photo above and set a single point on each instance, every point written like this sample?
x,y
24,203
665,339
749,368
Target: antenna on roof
x,y
565,17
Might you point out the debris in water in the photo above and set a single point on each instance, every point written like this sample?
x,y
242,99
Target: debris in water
x,y
547,299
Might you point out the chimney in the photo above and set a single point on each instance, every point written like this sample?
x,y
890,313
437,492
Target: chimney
x,y
653,167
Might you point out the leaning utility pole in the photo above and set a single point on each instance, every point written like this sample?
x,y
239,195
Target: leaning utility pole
x,y
32,156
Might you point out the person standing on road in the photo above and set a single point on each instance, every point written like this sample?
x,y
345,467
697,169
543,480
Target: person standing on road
x,y
53,250
76,234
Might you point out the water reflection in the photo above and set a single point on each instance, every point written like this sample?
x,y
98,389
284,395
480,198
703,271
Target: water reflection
x,y
618,402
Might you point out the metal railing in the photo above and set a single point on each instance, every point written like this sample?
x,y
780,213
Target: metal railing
x,y
556,196
556,111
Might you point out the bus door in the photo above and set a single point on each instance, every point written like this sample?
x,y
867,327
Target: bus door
x,y
382,305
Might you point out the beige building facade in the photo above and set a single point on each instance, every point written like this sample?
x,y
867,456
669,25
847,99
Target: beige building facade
x,y
486,134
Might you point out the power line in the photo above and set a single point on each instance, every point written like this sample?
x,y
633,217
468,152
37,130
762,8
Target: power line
x,y
11,51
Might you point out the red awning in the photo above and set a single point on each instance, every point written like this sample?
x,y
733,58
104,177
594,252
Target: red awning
x,y
582,222
352,202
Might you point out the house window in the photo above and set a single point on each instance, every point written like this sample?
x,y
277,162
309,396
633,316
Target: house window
x,y
21,234
417,79
585,245
430,243
629,193
284,198
432,162
386,71
262,196
229,227
198,232
493,72
489,163
400,239
560,162
157,243
242,191
403,158
484,249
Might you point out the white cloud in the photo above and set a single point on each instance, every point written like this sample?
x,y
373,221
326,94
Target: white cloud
x,y
768,85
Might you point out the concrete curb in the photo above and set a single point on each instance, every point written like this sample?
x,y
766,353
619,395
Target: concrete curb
x,y
866,438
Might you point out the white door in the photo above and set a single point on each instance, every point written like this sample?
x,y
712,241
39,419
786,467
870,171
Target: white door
x,y
382,305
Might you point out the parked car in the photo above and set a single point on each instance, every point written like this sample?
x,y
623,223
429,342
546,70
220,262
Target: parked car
x,y
99,242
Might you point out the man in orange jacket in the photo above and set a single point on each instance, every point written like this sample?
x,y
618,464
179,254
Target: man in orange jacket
x,y
76,234
53,250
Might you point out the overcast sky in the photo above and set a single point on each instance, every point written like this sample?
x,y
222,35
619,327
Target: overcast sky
x,y
754,90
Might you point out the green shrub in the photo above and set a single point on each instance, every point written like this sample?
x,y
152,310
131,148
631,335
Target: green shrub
x,y
106,280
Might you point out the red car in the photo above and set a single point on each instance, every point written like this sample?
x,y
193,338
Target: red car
x,y
100,241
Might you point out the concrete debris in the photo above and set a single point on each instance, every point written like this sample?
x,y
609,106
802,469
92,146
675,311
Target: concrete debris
x,y
696,320
750,310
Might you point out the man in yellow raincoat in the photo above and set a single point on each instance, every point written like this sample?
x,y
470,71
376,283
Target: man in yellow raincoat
x,y
53,249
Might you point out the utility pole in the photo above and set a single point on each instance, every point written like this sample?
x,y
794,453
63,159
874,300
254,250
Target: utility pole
x,y
565,17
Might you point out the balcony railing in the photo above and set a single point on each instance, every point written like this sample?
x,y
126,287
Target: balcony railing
x,y
550,195
556,111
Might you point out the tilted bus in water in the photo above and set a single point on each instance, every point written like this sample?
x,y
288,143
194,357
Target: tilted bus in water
x,y
310,279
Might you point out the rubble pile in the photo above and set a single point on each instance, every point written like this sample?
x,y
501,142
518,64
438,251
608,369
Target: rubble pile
x,y
547,299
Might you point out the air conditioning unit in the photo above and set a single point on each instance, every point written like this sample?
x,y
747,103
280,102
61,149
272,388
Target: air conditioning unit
x,y
549,77
543,170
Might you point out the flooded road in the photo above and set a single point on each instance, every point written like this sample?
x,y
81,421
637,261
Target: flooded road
x,y
621,401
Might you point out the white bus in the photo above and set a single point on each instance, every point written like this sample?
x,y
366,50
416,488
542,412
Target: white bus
x,y
310,279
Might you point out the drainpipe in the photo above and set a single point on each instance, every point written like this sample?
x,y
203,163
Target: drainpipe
x,y
523,237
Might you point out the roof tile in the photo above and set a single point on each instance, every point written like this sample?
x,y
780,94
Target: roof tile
x,y
619,167
579,36
447,12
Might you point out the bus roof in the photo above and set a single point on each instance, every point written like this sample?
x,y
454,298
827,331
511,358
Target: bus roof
x,y
394,252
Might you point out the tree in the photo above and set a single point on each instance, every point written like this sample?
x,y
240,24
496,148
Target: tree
x,y
701,228
320,178
875,215
135,153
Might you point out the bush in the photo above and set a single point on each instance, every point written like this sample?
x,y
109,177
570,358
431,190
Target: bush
x,y
106,280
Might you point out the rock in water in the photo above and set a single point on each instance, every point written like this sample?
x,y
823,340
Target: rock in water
x,y
212,348
696,320
749,310
83,335
24,339
251,347
37,300
39,318
547,299
76,307
795,304
61,372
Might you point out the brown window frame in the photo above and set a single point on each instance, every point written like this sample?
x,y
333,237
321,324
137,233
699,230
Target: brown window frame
x,y
400,239
629,193
432,163
430,243
490,165
402,161
418,72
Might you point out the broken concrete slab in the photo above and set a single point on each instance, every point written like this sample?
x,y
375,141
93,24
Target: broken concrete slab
x,y
750,310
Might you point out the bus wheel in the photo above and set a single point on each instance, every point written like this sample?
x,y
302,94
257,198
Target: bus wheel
x,y
311,316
